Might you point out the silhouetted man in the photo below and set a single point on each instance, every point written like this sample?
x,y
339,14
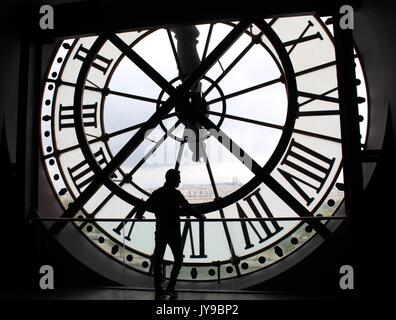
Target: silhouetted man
x,y
168,204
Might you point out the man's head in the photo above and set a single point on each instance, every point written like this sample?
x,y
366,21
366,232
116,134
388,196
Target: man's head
x,y
172,177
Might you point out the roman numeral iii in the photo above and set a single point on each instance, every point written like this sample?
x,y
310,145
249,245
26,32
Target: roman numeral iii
x,y
302,165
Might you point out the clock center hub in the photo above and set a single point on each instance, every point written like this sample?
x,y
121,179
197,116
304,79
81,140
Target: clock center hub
x,y
191,114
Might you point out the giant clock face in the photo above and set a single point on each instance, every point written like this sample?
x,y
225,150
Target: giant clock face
x,y
119,110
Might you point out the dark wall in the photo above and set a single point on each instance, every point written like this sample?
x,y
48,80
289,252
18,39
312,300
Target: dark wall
x,y
375,36
365,243
25,246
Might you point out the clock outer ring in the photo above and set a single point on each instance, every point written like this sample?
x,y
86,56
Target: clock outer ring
x,y
291,86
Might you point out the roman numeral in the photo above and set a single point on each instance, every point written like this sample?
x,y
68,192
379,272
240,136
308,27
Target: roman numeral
x,y
188,231
82,174
66,116
310,169
123,225
314,97
101,63
270,228
302,38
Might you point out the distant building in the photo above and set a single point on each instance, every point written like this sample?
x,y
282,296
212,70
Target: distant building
x,y
204,192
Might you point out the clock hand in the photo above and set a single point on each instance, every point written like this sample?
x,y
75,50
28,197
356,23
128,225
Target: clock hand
x,y
181,148
188,61
187,52
175,96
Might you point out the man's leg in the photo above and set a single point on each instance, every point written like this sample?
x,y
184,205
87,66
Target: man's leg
x,y
158,255
176,245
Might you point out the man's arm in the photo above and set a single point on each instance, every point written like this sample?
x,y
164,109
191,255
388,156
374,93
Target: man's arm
x,y
140,211
188,210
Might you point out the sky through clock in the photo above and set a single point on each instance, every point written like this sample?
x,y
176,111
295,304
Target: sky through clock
x,y
270,94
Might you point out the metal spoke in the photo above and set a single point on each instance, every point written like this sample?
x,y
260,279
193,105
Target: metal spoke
x,y
272,82
154,148
107,91
260,123
68,149
229,68
275,126
240,92
207,41
181,149
172,43
104,137
134,96
134,127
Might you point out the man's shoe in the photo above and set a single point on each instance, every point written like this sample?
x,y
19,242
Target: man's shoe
x,y
160,294
172,293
